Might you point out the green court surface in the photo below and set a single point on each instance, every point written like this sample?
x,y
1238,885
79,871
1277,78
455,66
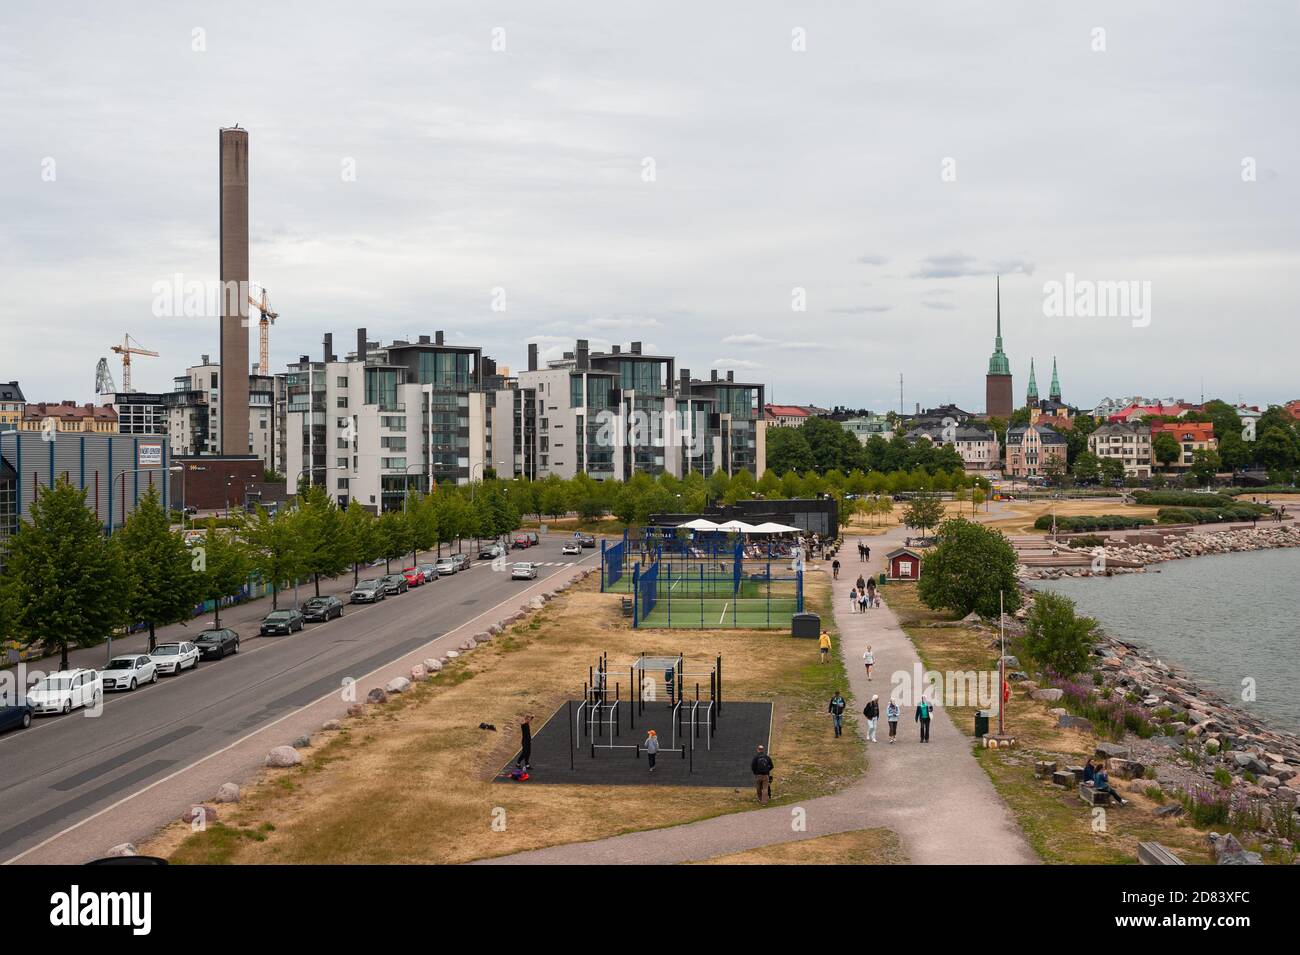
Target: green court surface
x,y
710,613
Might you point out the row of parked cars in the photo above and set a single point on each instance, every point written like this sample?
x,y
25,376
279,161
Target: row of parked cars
x,y
375,589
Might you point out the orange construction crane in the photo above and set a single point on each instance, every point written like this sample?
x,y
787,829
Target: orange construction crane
x,y
264,332
126,350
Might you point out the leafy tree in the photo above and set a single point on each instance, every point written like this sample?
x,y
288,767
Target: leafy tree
x,y
1112,469
969,568
68,584
277,547
1166,448
160,584
394,537
1277,448
554,497
788,450
221,565
319,525
1087,468
923,512
1205,464
358,537
1055,638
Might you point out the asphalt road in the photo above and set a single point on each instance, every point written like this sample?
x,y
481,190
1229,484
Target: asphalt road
x,y
67,768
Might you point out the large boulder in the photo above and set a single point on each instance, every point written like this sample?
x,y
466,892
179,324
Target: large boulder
x,y
330,726
1113,750
398,684
1049,695
302,742
419,673
121,849
200,814
228,792
452,654
283,756
433,665
377,695
1250,763
1068,721
1228,851
356,709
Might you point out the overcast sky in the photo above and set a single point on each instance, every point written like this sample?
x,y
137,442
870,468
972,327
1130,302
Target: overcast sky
x,y
774,169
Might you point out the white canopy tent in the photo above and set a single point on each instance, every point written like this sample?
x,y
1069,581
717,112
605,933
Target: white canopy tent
x,y
737,527
699,524
771,527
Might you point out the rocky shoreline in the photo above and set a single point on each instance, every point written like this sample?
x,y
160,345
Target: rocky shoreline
x,y
1125,557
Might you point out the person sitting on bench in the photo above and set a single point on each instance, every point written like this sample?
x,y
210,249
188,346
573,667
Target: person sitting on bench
x,y
1089,772
1101,783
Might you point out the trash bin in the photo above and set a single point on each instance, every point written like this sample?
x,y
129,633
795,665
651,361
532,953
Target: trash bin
x,y
981,723
882,579
806,625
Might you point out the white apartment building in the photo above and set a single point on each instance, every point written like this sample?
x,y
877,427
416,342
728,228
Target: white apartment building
x,y
1130,444
192,411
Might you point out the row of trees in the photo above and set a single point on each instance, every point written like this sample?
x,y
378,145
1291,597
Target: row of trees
x,y
68,585
821,445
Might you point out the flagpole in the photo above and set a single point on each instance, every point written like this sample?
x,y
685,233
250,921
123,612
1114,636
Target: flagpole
x,y
1002,666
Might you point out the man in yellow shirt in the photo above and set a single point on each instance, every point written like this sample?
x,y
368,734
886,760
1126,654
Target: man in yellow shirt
x,y
825,644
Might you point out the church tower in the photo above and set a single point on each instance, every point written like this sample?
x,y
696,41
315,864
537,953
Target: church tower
x,y
1031,396
997,384
1055,393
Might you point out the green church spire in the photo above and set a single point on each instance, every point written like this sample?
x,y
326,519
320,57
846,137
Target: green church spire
x,y
1031,396
1055,393
998,364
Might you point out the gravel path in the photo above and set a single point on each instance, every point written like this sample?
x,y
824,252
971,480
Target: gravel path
x,y
934,796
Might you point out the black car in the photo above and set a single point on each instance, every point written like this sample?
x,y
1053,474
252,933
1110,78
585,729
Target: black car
x,y
395,584
322,609
215,644
281,621
15,715
586,540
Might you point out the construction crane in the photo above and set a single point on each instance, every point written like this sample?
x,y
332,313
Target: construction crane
x,y
264,332
104,383
126,350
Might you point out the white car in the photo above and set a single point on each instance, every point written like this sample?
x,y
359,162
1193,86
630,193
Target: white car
x,y
570,549
523,571
172,658
64,691
128,672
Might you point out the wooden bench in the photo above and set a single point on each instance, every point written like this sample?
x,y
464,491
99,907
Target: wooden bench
x,y
1153,853
1044,768
1091,796
1077,772
1063,778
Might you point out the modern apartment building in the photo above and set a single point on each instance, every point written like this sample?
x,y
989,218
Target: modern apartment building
x,y
1130,444
387,419
193,413
139,412
614,414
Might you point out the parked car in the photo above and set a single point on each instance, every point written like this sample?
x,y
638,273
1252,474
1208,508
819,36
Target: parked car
x,y
491,553
462,561
430,572
281,622
368,591
394,584
414,576
172,658
524,540
446,566
191,511
587,540
128,672
322,609
16,715
65,691
215,644
571,549
523,571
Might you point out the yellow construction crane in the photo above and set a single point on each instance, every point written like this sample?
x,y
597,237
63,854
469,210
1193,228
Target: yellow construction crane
x,y
126,350
264,332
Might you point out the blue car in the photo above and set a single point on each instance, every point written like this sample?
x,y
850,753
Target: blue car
x,y
15,716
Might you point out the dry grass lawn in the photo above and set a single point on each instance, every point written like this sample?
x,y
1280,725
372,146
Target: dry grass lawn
x,y
1024,513
411,781
856,847
1057,824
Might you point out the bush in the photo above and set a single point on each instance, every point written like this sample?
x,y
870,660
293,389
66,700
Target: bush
x,y
1055,638
1092,522
1086,541
1209,515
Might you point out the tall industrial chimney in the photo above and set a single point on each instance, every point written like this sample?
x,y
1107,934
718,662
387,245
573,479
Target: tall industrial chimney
x,y
234,296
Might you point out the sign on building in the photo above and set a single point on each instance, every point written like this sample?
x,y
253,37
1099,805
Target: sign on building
x,y
149,455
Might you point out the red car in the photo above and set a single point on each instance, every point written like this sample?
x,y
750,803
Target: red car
x,y
414,576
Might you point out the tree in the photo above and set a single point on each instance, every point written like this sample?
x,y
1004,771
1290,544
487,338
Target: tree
x,y
319,524
1056,639
1087,468
160,584
358,538
787,450
69,586
277,547
1205,464
394,537
221,566
969,568
923,512
1166,448
1112,470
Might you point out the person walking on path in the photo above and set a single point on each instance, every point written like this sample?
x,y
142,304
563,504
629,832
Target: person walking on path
x,y
869,660
525,743
872,712
891,717
862,551
836,709
867,550
862,583
824,644
923,712
871,592
835,569
652,748
761,766
862,601
853,600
